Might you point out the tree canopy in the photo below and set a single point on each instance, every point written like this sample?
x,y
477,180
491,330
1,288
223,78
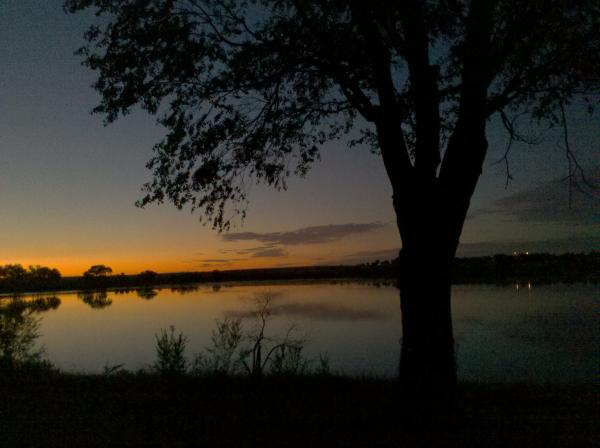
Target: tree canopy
x,y
98,270
249,90
14,277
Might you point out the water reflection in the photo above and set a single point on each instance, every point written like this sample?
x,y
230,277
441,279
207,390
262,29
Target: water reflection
x,y
546,333
123,291
574,332
147,293
322,311
523,286
19,328
184,289
95,299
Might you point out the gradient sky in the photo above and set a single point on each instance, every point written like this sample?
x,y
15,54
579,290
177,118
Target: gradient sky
x,y
68,184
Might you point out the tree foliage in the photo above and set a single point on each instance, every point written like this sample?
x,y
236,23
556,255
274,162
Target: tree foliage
x,y
97,271
14,277
249,90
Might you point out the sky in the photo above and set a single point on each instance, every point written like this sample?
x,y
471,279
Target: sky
x,y
68,184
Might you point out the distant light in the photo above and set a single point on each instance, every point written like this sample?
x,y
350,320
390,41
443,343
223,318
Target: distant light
x,y
529,285
526,253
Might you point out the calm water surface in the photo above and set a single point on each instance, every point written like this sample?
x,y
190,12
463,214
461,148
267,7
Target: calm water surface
x,y
541,334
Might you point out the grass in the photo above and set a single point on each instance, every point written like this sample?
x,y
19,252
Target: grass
x,y
48,408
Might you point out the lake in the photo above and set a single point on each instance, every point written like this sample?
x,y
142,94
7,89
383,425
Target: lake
x,y
523,333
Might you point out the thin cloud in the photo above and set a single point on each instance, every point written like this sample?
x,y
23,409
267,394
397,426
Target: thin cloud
x,y
222,260
306,235
266,251
370,255
289,265
366,256
271,252
549,203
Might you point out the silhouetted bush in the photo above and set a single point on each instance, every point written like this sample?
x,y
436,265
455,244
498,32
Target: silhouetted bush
x,y
170,353
235,350
222,356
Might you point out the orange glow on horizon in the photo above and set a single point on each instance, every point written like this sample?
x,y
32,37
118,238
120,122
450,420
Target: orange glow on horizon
x,y
75,267
170,252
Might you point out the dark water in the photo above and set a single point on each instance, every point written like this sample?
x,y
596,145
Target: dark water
x,y
536,334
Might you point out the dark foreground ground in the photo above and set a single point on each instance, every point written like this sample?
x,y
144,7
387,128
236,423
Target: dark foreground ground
x,y
142,410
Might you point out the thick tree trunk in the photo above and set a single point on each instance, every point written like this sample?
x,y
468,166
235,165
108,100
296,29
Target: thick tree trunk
x,y
430,227
430,216
427,364
431,206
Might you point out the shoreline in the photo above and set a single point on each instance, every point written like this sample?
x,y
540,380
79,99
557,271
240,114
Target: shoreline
x,y
493,270
193,285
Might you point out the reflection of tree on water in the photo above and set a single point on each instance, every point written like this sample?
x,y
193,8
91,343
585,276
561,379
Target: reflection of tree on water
x,y
19,328
95,299
123,291
184,289
147,293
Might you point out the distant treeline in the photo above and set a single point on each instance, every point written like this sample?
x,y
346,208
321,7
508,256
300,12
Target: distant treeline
x,y
520,268
14,277
497,269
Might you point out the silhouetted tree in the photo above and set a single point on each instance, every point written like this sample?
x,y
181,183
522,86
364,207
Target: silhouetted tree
x,y
43,277
96,276
14,277
252,88
148,277
98,270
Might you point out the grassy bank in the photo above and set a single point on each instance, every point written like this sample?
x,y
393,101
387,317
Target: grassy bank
x,y
56,409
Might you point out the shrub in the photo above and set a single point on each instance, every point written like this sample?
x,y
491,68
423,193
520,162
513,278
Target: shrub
x,y
170,352
221,356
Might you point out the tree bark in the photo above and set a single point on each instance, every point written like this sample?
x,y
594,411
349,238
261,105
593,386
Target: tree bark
x,y
427,361
430,218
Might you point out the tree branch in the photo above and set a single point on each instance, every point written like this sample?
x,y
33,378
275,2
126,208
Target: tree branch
x,y
575,168
424,89
388,114
466,149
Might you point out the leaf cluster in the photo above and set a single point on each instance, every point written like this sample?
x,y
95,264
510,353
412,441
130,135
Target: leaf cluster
x,y
249,90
